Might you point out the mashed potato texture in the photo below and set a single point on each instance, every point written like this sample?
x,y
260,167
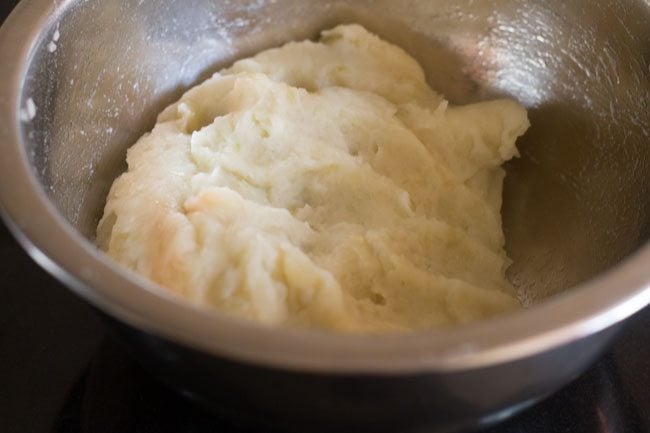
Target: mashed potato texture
x,y
322,184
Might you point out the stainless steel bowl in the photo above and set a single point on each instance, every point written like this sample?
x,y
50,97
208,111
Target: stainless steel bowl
x,y
82,80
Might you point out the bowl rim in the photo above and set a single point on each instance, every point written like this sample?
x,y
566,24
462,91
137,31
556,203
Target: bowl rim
x,y
50,240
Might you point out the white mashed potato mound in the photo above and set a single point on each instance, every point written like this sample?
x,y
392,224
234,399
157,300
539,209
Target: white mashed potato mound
x,y
322,184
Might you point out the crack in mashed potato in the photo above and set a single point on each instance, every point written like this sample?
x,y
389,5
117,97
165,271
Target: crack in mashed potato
x,y
322,184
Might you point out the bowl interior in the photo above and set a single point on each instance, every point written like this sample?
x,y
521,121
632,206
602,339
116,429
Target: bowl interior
x,y
576,202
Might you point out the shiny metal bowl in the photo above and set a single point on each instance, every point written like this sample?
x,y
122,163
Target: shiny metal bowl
x,y
82,80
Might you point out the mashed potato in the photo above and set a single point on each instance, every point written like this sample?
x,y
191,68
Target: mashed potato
x,y
322,184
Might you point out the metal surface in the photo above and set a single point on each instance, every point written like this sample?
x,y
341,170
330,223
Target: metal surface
x,y
83,79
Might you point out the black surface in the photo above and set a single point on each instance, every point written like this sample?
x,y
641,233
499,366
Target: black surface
x,y
61,373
